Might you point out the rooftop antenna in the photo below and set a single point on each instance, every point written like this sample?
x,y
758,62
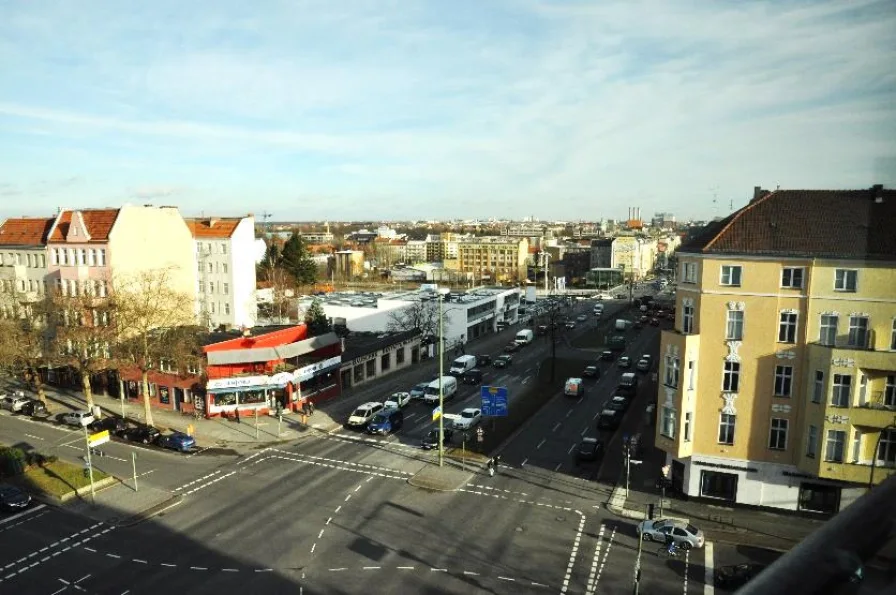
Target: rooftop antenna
x,y
264,217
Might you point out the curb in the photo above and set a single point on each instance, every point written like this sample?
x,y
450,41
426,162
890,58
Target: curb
x,y
152,511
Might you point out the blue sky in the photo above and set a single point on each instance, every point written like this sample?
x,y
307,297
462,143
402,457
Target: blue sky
x,y
429,110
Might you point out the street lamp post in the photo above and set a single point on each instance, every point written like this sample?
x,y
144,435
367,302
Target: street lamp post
x,y
441,394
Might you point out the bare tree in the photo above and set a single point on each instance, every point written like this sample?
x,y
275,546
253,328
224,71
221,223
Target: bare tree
x,y
421,315
25,345
148,316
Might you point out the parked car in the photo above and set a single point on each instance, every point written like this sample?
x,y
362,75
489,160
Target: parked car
x,y
177,441
77,418
363,414
621,296
418,390
624,362
13,498
114,424
654,322
473,376
13,403
386,421
609,419
735,576
483,360
469,418
397,400
512,347
571,324
643,365
590,449
35,408
617,403
685,535
574,387
607,355
431,440
502,361
142,434
591,372
582,318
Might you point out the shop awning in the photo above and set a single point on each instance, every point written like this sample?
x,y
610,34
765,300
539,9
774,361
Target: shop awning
x,y
267,354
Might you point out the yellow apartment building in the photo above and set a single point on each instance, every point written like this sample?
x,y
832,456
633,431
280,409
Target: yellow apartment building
x,y
777,384
494,259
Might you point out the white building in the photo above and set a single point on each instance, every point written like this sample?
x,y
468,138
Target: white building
x,y
225,270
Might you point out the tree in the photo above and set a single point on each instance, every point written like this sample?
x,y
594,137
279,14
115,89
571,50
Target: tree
x,y
25,345
153,324
316,319
295,259
421,315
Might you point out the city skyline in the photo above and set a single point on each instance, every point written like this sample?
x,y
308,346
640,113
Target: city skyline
x,y
558,110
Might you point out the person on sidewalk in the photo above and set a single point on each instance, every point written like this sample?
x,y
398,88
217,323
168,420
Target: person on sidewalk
x,y
237,416
490,465
310,407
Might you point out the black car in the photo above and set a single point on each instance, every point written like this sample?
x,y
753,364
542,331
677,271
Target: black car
x,y
473,376
144,434
431,440
591,372
483,360
736,576
35,408
590,449
512,347
617,403
609,419
115,425
502,361
607,355
13,499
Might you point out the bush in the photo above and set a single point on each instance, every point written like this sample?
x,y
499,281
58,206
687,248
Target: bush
x,y
12,461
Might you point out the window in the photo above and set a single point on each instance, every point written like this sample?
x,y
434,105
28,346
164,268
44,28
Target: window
x,y
845,280
672,371
731,377
692,374
787,328
890,391
730,275
82,256
687,426
667,427
687,320
226,288
371,368
886,450
818,387
858,331
777,436
91,257
211,267
841,390
227,308
827,332
385,361
223,248
54,256
726,428
211,287
689,272
72,259
792,277
399,356
783,381
224,268
735,326
811,442
833,447
212,307
101,261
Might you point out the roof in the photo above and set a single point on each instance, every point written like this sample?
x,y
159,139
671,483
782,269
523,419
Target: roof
x,y
807,223
213,227
361,344
27,231
99,223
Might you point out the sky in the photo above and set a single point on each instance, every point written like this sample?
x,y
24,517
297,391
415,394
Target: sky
x,y
411,109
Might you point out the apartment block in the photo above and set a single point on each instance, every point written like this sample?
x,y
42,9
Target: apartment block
x,y
23,260
498,259
777,385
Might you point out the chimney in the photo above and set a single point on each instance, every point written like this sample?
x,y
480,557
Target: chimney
x,y
878,191
758,192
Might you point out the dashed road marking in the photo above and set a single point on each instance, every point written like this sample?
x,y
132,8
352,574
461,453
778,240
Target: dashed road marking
x,y
210,482
540,444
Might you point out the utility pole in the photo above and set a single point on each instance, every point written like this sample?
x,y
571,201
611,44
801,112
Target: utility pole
x,y
89,466
441,394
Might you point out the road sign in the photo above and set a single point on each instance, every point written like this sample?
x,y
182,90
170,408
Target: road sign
x,y
494,401
98,438
479,434
436,413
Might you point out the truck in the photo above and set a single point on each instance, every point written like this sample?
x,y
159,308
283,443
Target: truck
x,y
449,389
462,364
622,324
524,337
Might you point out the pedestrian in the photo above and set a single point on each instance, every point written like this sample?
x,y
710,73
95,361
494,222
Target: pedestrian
x,y
490,465
497,461
237,416
310,407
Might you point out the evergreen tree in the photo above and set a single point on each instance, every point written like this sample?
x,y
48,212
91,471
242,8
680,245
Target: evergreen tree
x,y
316,319
295,259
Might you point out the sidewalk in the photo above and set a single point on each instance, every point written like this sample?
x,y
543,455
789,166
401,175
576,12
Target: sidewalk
x,y
120,505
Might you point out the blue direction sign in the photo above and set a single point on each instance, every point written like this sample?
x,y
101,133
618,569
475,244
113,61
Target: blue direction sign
x,y
494,401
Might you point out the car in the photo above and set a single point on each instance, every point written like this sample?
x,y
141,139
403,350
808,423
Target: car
x,y
13,499
363,414
685,535
418,390
13,403
114,424
654,322
609,419
590,449
735,576
483,360
502,361
177,441
571,324
512,347
643,308
473,376
541,329
582,318
469,418
77,418
386,421
35,408
142,434
624,362
397,400
621,296
591,372
607,355
574,387
431,440
637,326
643,365
617,403
643,320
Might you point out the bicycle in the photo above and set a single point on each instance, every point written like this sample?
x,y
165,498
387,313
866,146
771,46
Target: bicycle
x,y
673,553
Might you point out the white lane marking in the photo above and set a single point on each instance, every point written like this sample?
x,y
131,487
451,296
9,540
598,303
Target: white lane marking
x,y
337,569
328,520
90,549
585,429
321,534
211,482
198,568
34,437
470,573
540,444
139,561
405,567
348,497
568,413
83,578
21,514
438,570
230,570
116,556
708,565
572,554
169,565
338,508
603,562
357,488
505,578
557,468
571,448
313,545
595,416
525,380
523,464
371,567
557,425
204,477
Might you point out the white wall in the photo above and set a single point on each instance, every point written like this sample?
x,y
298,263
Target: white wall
x,y
243,248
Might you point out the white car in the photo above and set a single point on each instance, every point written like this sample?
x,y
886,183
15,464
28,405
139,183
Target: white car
x,y
78,418
13,403
363,414
469,418
397,400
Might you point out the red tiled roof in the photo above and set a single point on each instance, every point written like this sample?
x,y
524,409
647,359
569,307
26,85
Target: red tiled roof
x,y
27,231
212,227
822,223
99,223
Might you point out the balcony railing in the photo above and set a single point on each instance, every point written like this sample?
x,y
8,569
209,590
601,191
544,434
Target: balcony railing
x,y
866,343
881,401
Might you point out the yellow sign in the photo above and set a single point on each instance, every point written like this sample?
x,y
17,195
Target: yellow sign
x,y
98,438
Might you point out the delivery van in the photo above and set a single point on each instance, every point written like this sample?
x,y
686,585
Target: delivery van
x,y
449,389
574,387
622,324
524,337
462,364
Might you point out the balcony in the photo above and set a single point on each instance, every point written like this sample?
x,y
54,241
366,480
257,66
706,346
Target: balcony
x,y
854,472
877,412
867,355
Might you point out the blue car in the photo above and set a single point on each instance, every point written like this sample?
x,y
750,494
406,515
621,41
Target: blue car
x,y
177,441
386,422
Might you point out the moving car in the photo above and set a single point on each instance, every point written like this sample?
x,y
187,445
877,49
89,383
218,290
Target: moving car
x,y
590,449
574,387
685,535
419,390
591,372
607,355
735,576
431,440
473,376
114,424
77,418
483,360
142,434
397,400
624,362
13,403
617,403
654,322
448,387
469,418
386,421
621,296
609,419
581,318
363,414
628,384
571,324
512,347
13,498
502,361
177,441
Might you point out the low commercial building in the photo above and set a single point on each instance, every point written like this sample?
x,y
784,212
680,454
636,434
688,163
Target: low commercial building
x,y
371,355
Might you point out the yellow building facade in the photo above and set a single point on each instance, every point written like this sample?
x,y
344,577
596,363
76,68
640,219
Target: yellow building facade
x,y
777,384
496,259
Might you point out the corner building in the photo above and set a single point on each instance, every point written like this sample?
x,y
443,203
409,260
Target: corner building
x,y
777,384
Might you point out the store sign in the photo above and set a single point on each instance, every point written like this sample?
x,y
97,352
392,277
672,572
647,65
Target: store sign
x,y
376,354
237,382
309,371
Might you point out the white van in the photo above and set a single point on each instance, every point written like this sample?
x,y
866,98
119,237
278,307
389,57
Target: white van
x,y
449,389
524,337
462,364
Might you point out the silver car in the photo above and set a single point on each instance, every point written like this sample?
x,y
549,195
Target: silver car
x,y
685,535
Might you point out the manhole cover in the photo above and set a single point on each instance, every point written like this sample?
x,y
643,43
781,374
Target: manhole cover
x,y
561,518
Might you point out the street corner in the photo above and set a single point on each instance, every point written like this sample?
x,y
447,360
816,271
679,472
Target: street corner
x,y
440,479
